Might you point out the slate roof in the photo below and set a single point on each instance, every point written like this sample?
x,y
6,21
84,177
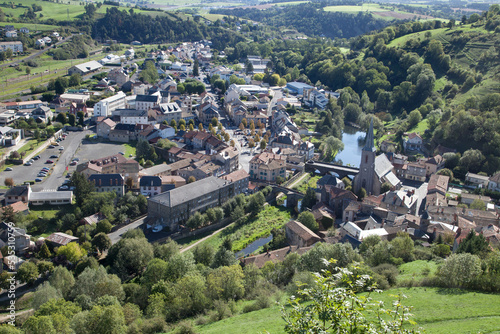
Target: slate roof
x,y
146,98
150,181
158,169
17,191
382,165
190,191
106,180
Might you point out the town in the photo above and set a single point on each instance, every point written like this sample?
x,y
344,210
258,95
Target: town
x,y
166,168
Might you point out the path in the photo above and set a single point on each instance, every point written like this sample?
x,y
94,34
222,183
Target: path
x,y
5,318
205,238
290,186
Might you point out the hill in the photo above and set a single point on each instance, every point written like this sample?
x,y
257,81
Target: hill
x,y
435,310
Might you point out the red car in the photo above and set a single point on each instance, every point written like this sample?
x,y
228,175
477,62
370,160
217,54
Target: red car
x,y
49,162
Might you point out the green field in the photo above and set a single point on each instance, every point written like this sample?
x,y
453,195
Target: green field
x,y
60,11
435,310
33,27
366,7
245,233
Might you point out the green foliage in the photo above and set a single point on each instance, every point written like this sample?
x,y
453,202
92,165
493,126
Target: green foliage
x,y
330,309
474,244
27,272
307,218
96,283
226,283
309,199
72,252
130,255
460,270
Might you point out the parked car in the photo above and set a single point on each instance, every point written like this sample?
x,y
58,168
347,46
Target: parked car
x,y
73,163
36,158
68,175
51,146
46,168
122,153
41,175
53,156
157,228
49,162
28,163
76,159
38,180
63,188
61,148
8,169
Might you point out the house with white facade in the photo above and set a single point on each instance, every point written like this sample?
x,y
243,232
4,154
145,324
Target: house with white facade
x,y
107,106
132,116
146,102
412,142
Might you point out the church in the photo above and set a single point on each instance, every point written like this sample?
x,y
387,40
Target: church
x,y
374,170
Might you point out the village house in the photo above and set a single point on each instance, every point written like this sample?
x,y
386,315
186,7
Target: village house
x,y
412,142
299,235
267,167
479,181
108,183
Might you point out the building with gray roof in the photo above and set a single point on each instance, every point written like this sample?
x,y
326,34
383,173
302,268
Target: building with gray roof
x,y
175,206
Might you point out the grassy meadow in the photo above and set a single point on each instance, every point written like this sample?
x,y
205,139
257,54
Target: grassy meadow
x,y
435,310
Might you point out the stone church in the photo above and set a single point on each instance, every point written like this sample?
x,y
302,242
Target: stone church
x,y
374,170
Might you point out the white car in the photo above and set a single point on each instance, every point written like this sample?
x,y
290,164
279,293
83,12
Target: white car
x,y
157,228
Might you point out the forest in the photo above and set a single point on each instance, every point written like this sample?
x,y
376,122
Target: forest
x,y
126,26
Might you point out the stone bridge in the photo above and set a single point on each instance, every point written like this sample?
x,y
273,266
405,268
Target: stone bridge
x,y
325,168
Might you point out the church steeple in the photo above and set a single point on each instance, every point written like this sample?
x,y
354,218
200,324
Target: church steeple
x,y
369,144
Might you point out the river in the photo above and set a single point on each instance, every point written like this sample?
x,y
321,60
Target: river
x,y
351,155
254,246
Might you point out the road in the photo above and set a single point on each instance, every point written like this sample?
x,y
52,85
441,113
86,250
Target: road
x,y
36,54
117,235
205,238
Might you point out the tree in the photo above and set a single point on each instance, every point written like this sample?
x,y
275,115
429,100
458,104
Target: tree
x,y
96,283
385,187
191,179
61,118
330,147
9,182
63,280
263,144
196,68
204,254
474,244
361,194
8,214
414,118
71,119
101,241
309,199
226,283
100,319
336,307
130,256
82,187
308,220
477,204
72,252
27,272
44,252
75,80
43,294
460,270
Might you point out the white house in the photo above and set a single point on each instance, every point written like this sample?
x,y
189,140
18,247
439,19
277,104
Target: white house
x,y
24,30
146,102
11,34
107,106
15,46
412,142
479,181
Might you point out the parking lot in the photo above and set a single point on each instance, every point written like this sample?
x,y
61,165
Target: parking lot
x,y
21,174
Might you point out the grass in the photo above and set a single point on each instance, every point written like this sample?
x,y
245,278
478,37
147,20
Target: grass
x,y
436,310
33,27
309,182
251,229
367,7
416,270
420,127
130,149
30,146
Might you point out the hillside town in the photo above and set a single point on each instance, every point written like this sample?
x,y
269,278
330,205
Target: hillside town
x,y
223,143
